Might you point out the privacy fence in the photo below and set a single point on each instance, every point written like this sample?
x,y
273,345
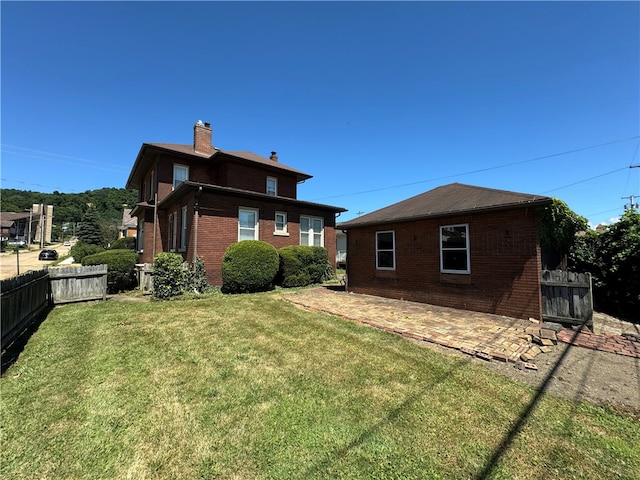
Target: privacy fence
x,y
567,297
26,296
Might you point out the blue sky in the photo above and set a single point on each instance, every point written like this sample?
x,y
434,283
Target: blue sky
x,y
379,101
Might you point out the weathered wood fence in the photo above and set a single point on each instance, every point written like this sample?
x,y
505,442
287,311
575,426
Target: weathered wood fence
x,y
23,298
77,284
567,297
145,277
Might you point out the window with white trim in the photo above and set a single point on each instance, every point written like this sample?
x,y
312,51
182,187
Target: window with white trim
x,y
281,222
454,248
180,174
173,231
386,250
140,239
312,231
247,224
183,229
272,186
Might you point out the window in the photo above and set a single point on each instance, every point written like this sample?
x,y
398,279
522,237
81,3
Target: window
x,y
454,249
386,250
281,222
183,229
247,224
311,231
272,186
140,239
173,231
180,174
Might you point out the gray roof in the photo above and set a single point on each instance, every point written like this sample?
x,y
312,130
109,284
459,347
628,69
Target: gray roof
x,y
452,199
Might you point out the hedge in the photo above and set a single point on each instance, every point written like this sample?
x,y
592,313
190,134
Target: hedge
x,y
121,265
249,266
81,250
303,265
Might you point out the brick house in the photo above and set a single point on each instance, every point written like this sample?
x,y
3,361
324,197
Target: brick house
x,y
197,199
458,246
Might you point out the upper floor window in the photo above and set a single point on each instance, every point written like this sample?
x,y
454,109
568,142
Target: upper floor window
x,y
247,224
180,174
454,249
281,222
386,250
312,231
272,186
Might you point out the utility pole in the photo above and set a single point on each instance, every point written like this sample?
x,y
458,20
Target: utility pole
x,y
632,204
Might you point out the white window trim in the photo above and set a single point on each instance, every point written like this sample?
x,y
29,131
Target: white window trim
x,y
393,250
311,231
458,272
275,184
283,232
183,229
173,231
178,165
256,235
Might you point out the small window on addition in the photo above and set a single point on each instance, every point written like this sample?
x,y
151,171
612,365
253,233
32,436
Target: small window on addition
x,y
386,250
281,223
454,249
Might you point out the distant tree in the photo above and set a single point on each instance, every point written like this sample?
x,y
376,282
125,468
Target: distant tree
x,y
90,230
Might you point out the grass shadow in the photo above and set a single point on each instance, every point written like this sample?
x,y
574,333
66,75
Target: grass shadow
x,y
12,351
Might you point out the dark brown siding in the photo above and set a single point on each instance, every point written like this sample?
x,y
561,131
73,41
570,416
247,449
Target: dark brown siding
x,y
504,259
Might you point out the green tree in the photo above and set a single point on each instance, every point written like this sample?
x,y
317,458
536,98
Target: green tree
x,y
558,225
89,230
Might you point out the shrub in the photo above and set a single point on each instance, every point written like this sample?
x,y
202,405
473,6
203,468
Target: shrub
x,y
121,268
81,250
198,277
124,243
171,276
249,266
302,265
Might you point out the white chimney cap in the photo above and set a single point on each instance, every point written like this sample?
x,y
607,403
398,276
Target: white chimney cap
x,y
199,123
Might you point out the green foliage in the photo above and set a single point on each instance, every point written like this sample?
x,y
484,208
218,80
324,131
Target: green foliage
x,y
249,266
81,250
199,277
127,243
558,225
121,268
89,230
171,276
303,265
613,259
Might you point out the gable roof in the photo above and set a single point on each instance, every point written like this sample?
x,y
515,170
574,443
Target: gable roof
x,y
143,163
452,199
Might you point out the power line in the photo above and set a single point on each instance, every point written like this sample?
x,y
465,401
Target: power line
x,y
585,180
480,170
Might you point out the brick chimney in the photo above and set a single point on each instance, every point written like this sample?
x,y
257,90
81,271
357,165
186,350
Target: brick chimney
x,y
202,138
273,156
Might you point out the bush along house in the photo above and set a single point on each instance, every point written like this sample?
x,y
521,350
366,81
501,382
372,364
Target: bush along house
x,y
457,246
197,199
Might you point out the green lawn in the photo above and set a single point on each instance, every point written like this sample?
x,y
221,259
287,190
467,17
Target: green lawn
x,y
249,386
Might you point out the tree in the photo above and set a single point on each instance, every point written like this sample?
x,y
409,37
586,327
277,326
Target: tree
x,y
89,230
557,228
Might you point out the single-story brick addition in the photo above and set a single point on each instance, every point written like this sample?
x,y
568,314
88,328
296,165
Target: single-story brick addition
x,y
459,246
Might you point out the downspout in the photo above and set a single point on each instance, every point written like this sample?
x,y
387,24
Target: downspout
x,y
155,224
196,214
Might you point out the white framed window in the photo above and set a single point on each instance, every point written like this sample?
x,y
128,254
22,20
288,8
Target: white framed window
x,y
247,224
281,222
454,248
312,231
386,250
183,229
140,239
272,186
173,231
180,174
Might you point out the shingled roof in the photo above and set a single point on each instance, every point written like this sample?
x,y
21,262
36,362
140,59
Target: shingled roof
x,y
452,199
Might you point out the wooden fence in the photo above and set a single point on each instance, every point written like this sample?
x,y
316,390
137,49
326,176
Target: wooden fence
x,y
145,277
567,297
77,284
23,298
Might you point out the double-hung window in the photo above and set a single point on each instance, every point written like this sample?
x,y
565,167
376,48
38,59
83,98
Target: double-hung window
x,y
183,229
386,250
281,222
272,186
180,174
312,231
454,249
247,224
173,231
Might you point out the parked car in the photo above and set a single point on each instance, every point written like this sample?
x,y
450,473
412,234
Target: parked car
x,y
48,255
66,244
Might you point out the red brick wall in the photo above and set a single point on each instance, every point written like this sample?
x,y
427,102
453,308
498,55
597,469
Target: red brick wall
x,y
248,177
504,260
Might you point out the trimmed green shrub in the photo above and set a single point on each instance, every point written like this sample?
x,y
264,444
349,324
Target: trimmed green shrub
x,y
171,276
199,277
124,243
302,265
249,266
121,268
81,250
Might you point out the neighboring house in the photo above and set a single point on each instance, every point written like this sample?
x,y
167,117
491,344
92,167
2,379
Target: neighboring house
x,y
197,199
341,249
457,245
129,226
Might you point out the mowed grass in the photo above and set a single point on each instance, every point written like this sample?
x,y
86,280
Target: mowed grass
x,y
250,386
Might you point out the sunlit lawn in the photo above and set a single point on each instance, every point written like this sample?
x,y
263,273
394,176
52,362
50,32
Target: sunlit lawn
x,y
252,387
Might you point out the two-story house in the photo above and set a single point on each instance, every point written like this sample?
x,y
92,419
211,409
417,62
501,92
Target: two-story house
x,y
197,199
